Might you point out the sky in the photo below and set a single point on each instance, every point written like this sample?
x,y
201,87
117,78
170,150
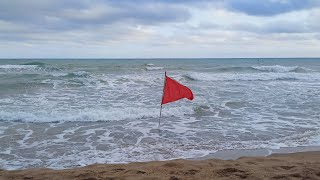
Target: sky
x,y
159,28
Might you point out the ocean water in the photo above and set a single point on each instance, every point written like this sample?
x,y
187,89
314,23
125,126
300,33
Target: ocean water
x,y
68,113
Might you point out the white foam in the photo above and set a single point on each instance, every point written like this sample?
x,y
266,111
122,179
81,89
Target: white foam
x,y
2,129
295,140
153,68
26,134
58,74
9,66
21,69
132,79
92,115
80,73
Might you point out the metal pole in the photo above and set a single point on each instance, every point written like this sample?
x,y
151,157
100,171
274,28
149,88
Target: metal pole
x,y
160,116
164,85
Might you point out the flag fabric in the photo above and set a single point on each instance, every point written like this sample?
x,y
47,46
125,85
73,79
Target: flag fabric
x,y
174,91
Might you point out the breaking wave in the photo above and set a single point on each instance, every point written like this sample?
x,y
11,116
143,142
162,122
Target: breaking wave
x,y
274,68
77,74
93,115
152,67
234,69
16,67
280,69
28,68
252,76
34,63
24,66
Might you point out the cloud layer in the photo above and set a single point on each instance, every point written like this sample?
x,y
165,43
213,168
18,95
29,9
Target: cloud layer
x,y
159,28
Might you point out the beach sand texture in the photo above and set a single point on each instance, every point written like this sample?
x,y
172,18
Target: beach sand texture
x,y
305,165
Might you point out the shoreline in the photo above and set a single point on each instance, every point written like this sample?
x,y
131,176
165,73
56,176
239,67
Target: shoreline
x,y
233,154
298,165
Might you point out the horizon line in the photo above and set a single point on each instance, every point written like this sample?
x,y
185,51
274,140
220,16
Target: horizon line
x,y
155,58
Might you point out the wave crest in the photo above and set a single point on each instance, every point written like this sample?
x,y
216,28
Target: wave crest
x,y
77,74
152,67
17,67
280,69
28,68
269,76
273,68
34,63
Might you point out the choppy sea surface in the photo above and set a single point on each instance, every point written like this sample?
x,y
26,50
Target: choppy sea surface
x,y
67,113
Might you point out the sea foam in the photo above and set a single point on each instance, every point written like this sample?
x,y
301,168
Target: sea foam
x,y
94,115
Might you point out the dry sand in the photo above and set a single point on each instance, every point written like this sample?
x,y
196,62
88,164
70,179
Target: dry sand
x,y
305,165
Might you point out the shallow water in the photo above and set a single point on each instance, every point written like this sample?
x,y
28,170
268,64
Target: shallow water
x,y
67,113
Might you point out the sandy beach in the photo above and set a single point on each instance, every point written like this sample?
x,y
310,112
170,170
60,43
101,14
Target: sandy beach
x,y
303,165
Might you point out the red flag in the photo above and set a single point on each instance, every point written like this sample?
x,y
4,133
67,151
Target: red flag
x,y
174,91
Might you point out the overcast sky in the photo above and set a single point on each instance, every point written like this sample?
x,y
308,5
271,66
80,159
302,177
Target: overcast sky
x,y
159,28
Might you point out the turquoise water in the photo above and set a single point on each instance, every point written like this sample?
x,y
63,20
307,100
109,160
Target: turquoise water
x,y
66,113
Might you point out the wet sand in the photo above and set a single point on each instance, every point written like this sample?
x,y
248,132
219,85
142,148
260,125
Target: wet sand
x,y
303,165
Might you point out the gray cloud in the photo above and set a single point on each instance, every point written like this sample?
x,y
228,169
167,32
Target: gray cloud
x,y
274,27
153,23
269,7
130,13
61,14
41,20
292,23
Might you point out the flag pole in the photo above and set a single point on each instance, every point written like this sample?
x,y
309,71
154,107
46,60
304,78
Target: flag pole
x,y
164,84
159,119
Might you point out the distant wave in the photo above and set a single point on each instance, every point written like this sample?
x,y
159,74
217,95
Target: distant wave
x,y
33,67
234,69
76,74
251,76
34,63
281,69
274,68
24,66
152,67
15,67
